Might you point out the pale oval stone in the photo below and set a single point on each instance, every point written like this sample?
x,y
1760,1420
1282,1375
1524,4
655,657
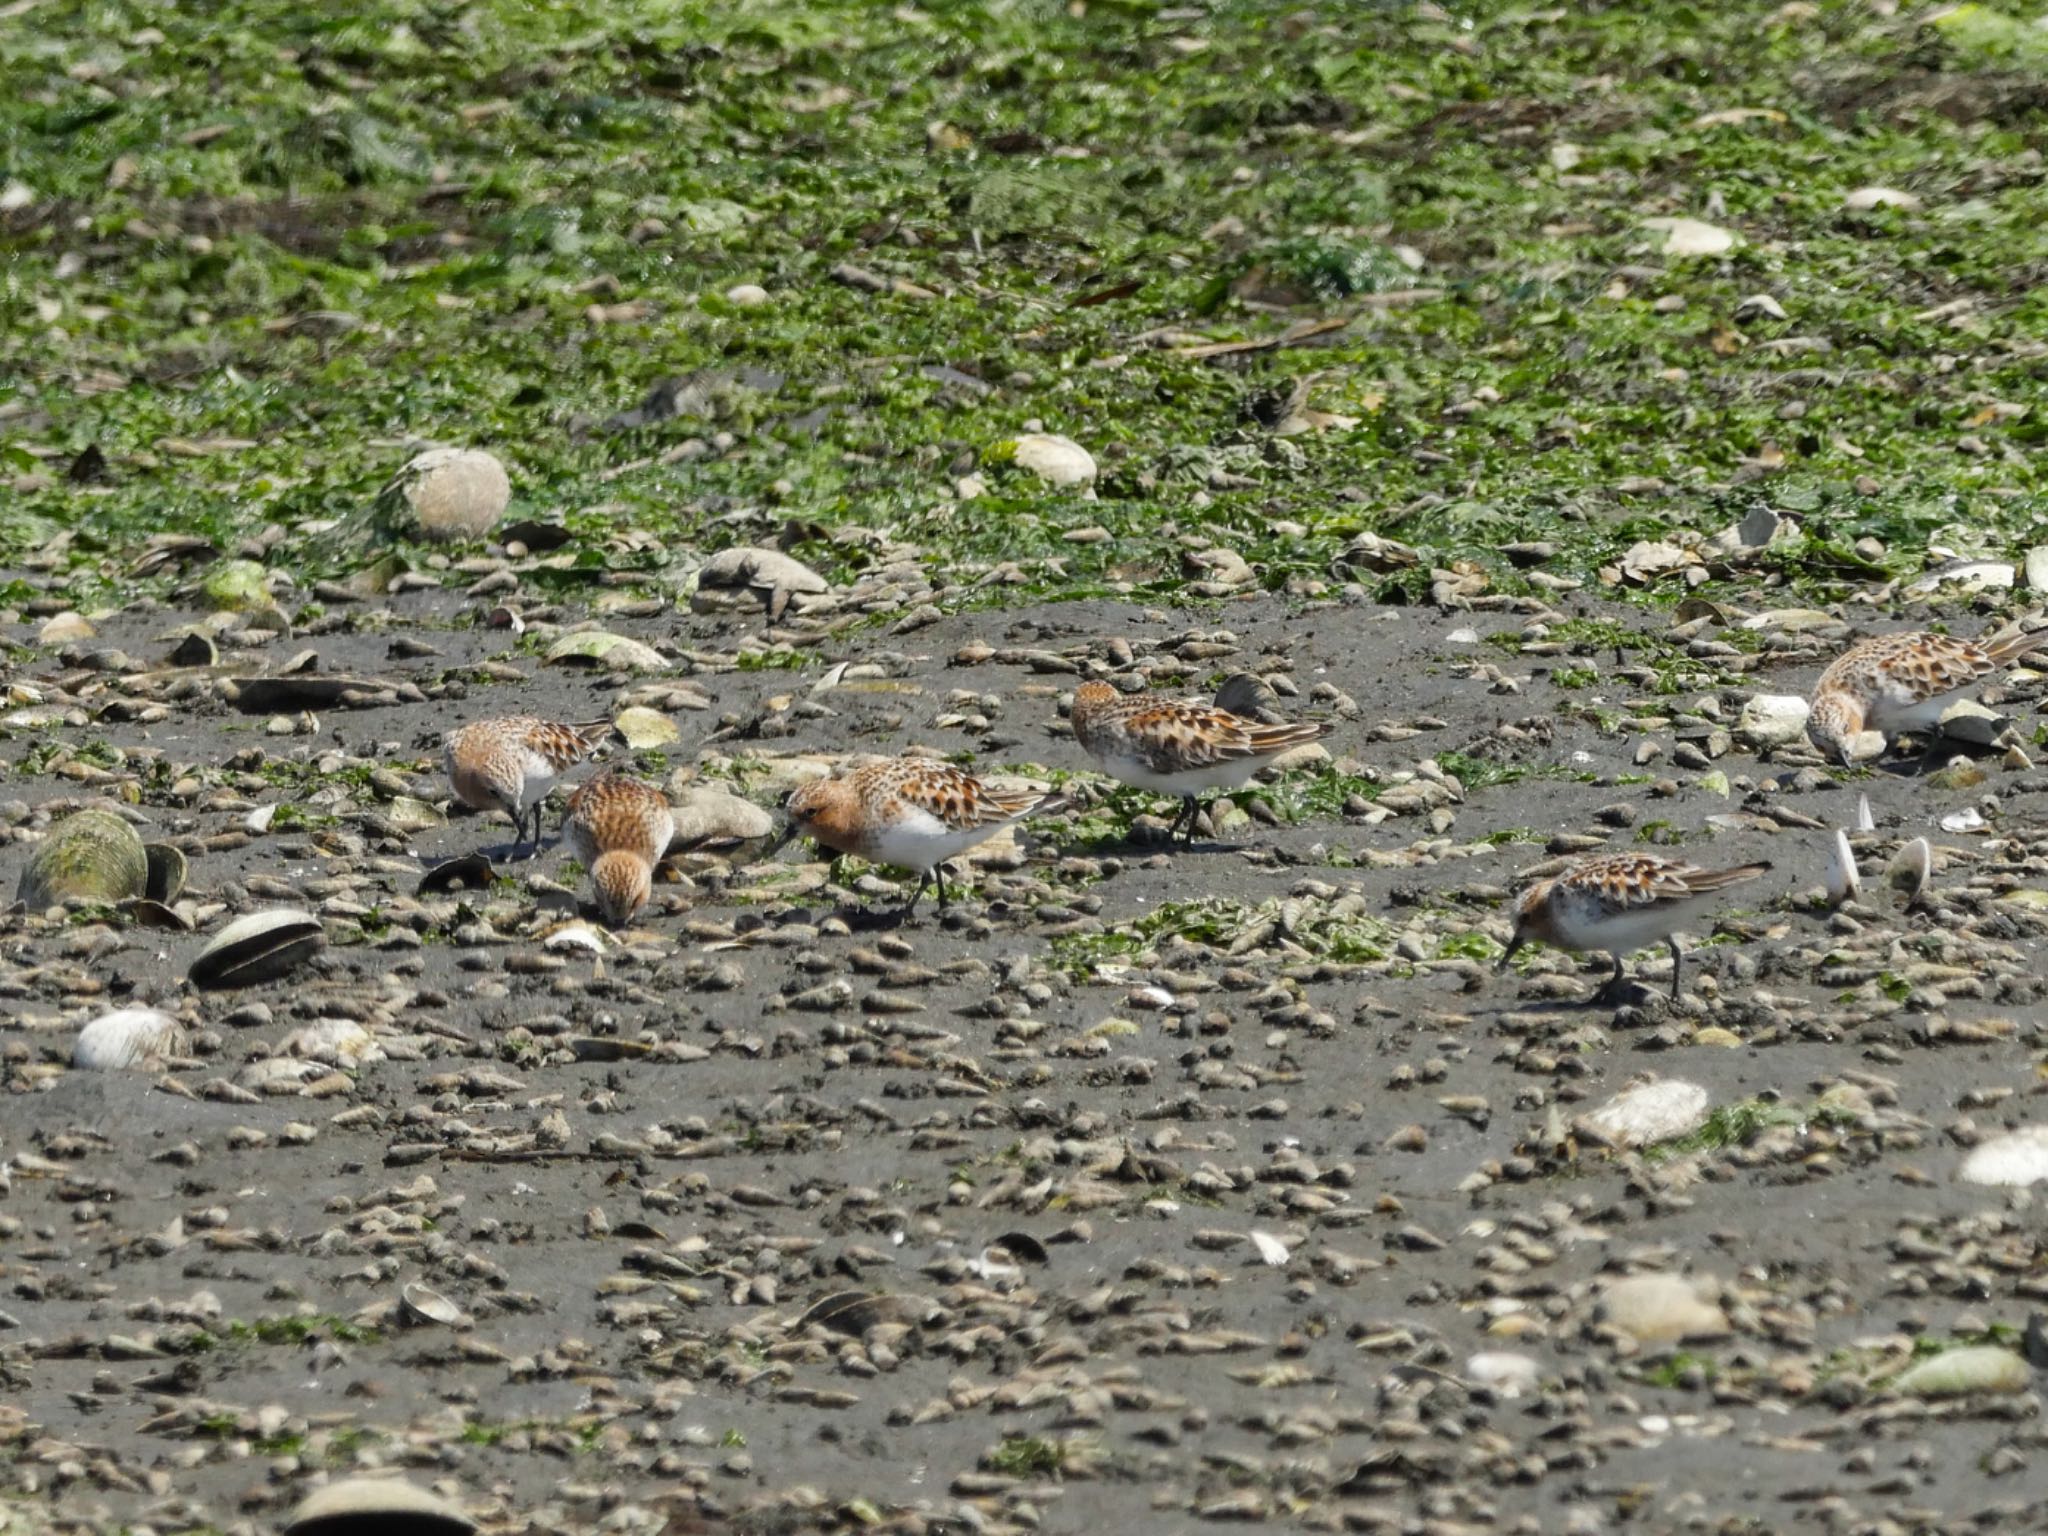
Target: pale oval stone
x,y
1054,459
1863,199
1692,237
1973,1368
1647,1113
65,627
456,493
1658,1309
711,816
1773,719
1759,304
2012,1161
747,295
127,1037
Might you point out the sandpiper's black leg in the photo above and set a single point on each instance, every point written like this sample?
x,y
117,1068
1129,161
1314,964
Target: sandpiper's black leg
x,y
1677,962
939,879
1190,808
910,906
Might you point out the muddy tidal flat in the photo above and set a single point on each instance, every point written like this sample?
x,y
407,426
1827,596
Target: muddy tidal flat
x,y
1151,1185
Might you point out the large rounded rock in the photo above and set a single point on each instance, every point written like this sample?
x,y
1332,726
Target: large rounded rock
x,y
1661,1309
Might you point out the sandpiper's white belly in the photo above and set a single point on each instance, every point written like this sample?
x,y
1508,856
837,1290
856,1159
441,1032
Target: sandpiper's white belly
x,y
1190,781
1584,926
918,840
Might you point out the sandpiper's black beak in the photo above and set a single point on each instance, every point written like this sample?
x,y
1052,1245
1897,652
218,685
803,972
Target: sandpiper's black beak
x,y
784,838
1509,953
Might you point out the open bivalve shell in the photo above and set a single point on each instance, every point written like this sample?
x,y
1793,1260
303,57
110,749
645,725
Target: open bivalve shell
x,y
92,855
260,947
1843,882
376,1506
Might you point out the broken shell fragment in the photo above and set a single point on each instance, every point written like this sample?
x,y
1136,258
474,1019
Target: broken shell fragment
x,y
259,947
127,1037
92,855
167,871
376,1506
1646,1114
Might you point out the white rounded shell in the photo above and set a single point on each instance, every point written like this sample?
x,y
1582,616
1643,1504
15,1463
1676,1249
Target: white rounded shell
x,y
127,1037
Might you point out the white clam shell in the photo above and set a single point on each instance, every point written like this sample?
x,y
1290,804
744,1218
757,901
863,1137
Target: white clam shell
x,y
127,1037
2011,1161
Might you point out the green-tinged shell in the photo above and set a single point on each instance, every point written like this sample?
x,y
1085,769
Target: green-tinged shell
x,y
376,1506
236,586
1953,1372
598,648
89,856
260,947
167,870
642,728
411,815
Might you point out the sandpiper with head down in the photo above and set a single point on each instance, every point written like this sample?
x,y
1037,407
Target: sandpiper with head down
x,y
911,812
1180,748
1619,903
1901,684
512,763
619,828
